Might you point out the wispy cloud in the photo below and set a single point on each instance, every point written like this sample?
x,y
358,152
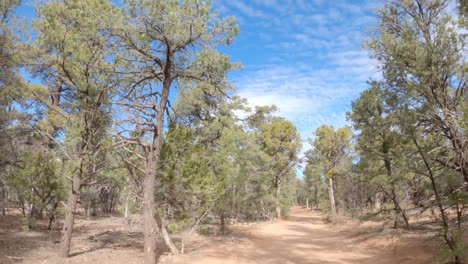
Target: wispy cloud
x,y
304,57
246,9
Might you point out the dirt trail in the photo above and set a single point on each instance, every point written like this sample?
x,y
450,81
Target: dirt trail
x,y
304,238
300,238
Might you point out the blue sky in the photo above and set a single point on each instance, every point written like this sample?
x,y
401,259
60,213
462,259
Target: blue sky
x,y
304,56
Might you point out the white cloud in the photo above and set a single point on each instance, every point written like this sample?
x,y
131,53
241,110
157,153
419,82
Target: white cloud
x,y
317,64
246,9
309,97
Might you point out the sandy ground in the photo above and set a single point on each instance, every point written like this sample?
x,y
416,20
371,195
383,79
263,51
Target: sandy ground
x,y
300,238
304,238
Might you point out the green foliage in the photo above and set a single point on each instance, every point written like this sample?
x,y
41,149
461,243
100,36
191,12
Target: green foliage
x,y
459,249
27,223
281,142
109,69
328,161
412,122
39,182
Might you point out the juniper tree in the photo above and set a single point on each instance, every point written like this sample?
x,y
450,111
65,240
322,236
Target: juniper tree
x,y
13,126
281,142
380,147
331,148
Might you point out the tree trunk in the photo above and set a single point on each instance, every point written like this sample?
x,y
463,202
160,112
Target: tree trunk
x,y
165,235
307,202
398,209
447,234
223,224
126,205
3,201
278,204
35,213
378,202
149,211
331,195
316,197
88,209
150,214
70,215
52,216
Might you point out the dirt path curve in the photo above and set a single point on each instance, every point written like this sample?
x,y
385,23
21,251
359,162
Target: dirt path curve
x,y
304,238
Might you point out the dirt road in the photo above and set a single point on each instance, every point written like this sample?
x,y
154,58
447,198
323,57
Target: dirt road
x,y
300,238
304,238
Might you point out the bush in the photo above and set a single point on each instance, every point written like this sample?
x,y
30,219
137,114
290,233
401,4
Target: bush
x,y
27,223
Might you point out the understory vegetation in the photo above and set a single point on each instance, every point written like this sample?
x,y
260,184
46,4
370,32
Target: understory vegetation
x,y
107,108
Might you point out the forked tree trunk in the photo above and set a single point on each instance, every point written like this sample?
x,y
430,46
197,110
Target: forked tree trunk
x,y
399,210
65,242
331,195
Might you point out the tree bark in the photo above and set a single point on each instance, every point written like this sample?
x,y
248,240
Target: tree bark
x,y
378,202
223,223
278,205
316,197
126,205
331,195
52,217
165,235
88,209
3,200
70,215
149,211
398,209
150,214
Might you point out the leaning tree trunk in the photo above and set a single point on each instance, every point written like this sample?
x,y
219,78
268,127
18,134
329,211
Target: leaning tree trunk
x,y
70,215
447,233
165,234
398,209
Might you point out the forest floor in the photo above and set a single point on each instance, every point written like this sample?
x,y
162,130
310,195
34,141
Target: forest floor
x,y
302,237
